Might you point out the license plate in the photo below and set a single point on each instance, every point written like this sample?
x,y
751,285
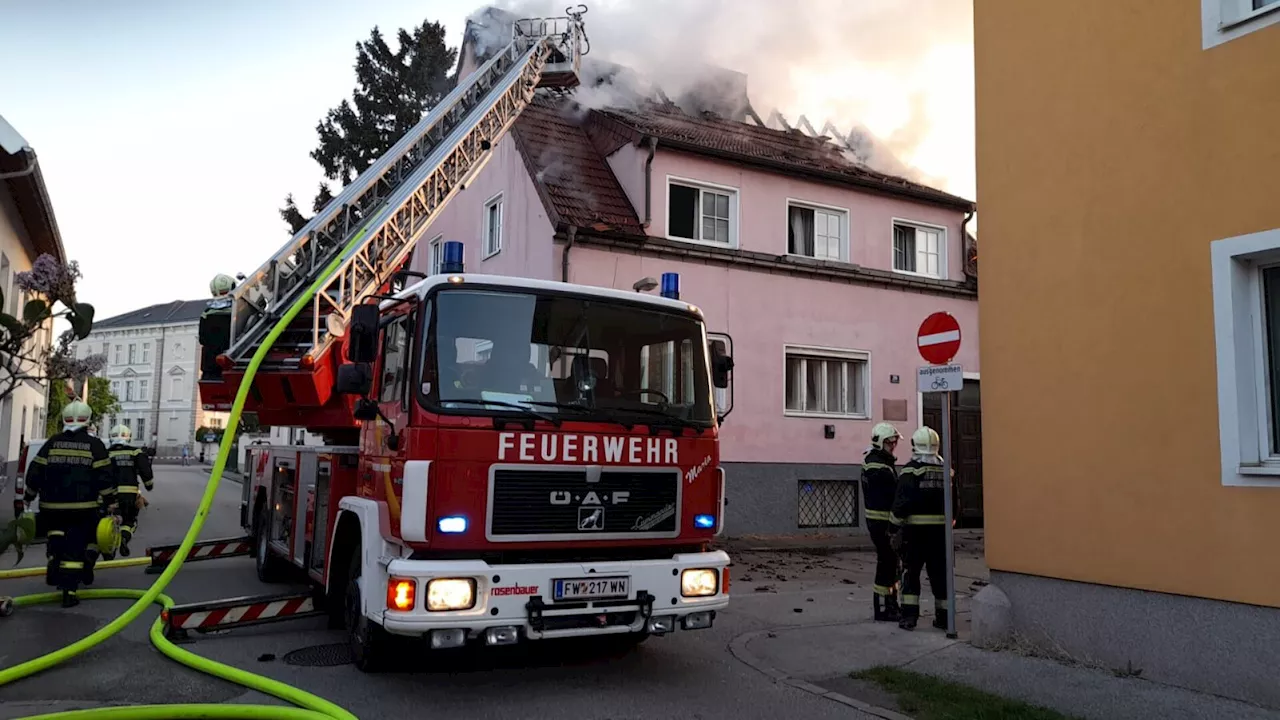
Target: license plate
x,y
591,588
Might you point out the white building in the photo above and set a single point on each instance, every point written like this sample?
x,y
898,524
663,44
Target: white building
x,y
28,229
153,363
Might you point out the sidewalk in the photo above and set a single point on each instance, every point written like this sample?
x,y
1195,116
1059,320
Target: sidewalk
x,y
818,658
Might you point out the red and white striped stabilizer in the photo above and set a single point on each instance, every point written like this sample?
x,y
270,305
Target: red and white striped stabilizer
x,y
238,612
203,550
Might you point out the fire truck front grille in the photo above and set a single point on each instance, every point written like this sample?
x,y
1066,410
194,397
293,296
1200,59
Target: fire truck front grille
x,y
533,504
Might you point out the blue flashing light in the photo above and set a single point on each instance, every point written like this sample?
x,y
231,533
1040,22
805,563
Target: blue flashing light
x,y
451,257
452,525
671,285
704,522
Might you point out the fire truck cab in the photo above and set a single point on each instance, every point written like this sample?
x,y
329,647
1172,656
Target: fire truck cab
x,y
536,460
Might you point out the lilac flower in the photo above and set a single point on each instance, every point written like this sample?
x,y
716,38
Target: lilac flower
x,y
50,278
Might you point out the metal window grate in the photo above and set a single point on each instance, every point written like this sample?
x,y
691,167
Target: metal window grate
x,y
827,503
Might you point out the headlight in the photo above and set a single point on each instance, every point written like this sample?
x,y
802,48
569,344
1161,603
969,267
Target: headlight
x,y
451,594
699,582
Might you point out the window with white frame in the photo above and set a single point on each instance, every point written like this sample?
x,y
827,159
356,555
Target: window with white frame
x,y
1225,20
826,383
133,353
702,213
436,255
142,431
144,393
817,232
128,391
1246,311
919,249
146,352
493,226
118,358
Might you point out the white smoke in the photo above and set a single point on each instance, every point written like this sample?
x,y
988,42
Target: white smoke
x,y
898,73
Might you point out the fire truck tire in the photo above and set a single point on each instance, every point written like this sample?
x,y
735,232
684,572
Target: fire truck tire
x,y
270,568
372,648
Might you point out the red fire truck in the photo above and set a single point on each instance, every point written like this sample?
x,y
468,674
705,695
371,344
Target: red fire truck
x,y
506,459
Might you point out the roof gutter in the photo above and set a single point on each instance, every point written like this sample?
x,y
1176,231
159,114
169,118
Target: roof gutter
x,y
652,142
30,168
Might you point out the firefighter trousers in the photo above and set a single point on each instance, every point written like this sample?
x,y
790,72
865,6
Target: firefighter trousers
x,y
71,560
128,510
886,559
924,548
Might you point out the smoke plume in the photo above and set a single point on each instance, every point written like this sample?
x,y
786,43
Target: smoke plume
x,y
896,74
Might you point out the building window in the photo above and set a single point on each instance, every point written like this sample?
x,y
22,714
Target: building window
x,y
817,232
436,255
128,391
1225,20
142,431
493,226
827,503
1246,317
133,353
118,358
144,392
127,424
826,383
919,249
115,388
146,352
702,213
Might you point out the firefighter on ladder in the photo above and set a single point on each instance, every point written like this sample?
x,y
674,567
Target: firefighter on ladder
x,y
919,520
130,465
215,326
72,477
879,483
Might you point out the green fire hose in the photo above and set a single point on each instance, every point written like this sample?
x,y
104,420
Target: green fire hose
x,y
310,707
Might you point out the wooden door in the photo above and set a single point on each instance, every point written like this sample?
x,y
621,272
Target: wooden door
x,y
966,448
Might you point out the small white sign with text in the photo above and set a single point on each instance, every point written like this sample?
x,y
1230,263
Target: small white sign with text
x,y
939,378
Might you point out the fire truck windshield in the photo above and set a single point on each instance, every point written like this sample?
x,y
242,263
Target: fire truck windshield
x,y
562,354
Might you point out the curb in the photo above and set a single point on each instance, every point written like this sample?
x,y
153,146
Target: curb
x,y
738,648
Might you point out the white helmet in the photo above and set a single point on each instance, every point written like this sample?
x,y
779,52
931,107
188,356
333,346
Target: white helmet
x,y
221,285
882,433
76,415
925,443
121,435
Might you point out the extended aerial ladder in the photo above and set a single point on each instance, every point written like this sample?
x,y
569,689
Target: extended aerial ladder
x,y
388,207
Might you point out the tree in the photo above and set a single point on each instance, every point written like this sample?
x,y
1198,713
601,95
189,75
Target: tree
x,y
394,89
26,350
102,401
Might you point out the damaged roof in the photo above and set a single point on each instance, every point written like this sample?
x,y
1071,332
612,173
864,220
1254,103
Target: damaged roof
x,y
578,187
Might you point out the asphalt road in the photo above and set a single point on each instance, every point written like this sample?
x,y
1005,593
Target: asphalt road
x,y
687,675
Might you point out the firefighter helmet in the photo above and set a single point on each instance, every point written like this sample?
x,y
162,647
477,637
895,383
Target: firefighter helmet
x,y
108,536
76,415
121,435
221,285
925,442
882,433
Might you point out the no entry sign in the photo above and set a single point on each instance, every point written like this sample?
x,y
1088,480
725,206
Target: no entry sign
x,y
938,338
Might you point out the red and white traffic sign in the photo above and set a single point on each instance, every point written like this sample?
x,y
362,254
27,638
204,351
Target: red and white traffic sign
x,y
938,338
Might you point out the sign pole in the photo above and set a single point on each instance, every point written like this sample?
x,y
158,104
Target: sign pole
x,y
950,513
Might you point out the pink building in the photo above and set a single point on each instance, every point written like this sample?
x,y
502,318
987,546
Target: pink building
x,y
820,270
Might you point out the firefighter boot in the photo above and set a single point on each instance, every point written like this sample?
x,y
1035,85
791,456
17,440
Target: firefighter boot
x,y
889,612
125,537
70,599
940,619
91,559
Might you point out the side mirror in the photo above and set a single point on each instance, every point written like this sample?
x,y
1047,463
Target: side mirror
x,y
354,379
365,409
362,334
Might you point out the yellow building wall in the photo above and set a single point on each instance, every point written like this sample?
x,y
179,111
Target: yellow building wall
x,y
1111,150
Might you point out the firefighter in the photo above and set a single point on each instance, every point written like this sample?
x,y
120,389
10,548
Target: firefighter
x,y
215,326
919,519
72,476
130,464
879,482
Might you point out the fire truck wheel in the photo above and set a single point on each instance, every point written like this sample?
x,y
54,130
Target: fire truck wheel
x,y
270,568
372,648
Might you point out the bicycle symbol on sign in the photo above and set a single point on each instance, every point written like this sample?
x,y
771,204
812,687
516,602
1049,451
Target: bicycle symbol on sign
x,y
939,383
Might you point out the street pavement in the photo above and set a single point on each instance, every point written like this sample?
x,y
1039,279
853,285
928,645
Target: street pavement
x,y
687,675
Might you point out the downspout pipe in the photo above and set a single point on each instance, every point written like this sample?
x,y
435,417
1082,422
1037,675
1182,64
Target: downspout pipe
x,y
564,256
964,241
652,143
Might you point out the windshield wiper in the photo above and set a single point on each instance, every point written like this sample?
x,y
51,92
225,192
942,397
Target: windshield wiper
x,y
504,404
672,419
582,410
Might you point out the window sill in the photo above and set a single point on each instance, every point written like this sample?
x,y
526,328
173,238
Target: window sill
x,y
1248,18
926,276
823,416
495,253
801,256
704,243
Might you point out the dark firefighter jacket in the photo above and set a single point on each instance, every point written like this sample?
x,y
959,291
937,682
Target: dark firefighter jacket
x,y
879,483
921,495
214,333
72,471
130,464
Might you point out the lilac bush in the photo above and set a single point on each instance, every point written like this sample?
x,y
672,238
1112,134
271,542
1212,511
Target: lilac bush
x,y
50,286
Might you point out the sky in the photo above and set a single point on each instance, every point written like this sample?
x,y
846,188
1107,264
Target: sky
x,y
170,131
